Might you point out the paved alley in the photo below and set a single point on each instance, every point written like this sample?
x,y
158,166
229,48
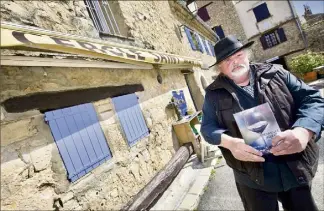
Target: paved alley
x,y
221,193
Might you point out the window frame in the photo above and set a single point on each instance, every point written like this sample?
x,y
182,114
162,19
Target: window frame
x,y
263,10
273,38
103,17
219,28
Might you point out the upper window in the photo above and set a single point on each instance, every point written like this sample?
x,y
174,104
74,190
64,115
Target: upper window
x,y
105,18
273,38
198,42
193,40
219,31
261,12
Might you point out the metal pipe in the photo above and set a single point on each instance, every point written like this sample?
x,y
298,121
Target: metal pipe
x,y
298,24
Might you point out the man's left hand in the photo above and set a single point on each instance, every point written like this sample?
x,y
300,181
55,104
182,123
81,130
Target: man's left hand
x,y
291,141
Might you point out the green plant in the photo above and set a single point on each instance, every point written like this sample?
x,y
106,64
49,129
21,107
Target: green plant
x,y
305,63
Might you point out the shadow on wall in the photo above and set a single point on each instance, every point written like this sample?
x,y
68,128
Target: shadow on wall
x,y
203,81
175,141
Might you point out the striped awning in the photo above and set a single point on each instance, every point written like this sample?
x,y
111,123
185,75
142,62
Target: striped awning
x,y
30,38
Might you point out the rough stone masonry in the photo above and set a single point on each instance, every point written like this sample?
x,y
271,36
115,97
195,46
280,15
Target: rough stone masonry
x,y
33,175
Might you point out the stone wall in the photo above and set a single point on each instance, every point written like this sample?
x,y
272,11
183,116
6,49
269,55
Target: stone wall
x,y
32,172
156,25
223,13
294,42
69,17
314,30
153,24
280,12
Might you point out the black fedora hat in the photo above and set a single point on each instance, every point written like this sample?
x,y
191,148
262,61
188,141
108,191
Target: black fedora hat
x,y
227,47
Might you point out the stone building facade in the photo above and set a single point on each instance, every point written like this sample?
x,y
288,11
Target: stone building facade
x,y
314,30
273,26
33,175
223,13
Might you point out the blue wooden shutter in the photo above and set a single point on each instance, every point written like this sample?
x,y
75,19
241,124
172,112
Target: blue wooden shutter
x,y
203,13
79,138
219,31
261,12
264,42
200,45
193,46
281,34
206,46
211,48
131,118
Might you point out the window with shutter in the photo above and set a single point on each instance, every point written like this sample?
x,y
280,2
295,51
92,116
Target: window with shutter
x,y
203,13
187,31
211,48
282,35
131,118
261,12
194,40
263,43
273,38
205,42
79,138
200,44
219,31
103,15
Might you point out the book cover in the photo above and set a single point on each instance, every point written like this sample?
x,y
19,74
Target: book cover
x,y
258,127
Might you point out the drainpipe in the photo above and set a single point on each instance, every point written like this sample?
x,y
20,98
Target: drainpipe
x,y
298,24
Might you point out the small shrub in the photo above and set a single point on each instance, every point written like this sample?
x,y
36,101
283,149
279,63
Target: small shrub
x,y
305,63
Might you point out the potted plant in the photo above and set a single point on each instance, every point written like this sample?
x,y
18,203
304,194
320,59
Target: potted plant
x,y
304,65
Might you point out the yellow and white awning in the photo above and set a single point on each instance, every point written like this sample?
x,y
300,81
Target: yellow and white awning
x,y
29,38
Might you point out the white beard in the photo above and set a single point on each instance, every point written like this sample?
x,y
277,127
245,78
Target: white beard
x,y
241,71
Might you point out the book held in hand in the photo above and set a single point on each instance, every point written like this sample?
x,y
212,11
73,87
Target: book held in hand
x,y
258,127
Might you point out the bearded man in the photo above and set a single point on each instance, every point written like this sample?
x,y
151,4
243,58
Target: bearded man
x,y
286,173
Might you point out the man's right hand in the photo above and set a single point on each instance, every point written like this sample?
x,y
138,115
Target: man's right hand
x,y
240,150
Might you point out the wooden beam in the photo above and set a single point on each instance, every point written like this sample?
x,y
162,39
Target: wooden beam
x,y
175,66
29,61
52,62
51,100
151,192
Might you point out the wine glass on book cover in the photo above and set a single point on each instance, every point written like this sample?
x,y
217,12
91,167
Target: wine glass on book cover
x,y
257,123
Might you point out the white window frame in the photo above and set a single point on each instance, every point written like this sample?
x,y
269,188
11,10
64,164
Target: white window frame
x,y
102,16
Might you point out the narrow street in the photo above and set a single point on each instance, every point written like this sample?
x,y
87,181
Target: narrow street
x,y
221,193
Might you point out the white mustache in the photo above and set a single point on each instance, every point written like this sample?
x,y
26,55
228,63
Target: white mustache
x,y
239,65
243,70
